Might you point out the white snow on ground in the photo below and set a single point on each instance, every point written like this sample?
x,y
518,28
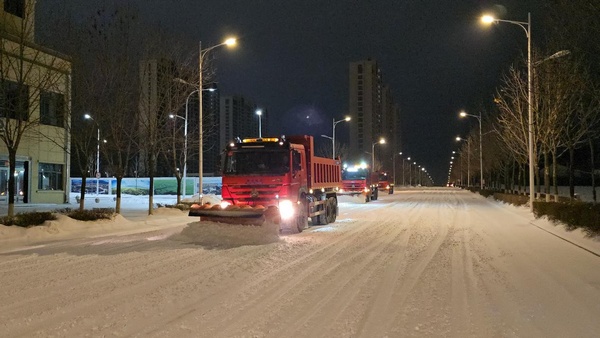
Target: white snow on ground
x,y
421,262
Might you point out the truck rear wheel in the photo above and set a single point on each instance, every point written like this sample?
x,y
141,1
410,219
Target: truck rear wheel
x,y
375,194
322,218
331,210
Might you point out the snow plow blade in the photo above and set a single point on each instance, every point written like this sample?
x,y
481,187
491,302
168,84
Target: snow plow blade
x,y
235,215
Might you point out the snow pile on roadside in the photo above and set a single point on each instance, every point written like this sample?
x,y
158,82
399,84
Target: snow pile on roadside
x,y
222,235
63,227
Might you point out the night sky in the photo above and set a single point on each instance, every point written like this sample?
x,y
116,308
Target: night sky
x,y
292,58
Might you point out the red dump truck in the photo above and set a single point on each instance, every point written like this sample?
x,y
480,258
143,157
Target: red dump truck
x,y
278,178
360,180
386,182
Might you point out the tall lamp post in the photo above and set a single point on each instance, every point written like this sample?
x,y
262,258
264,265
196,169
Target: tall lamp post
x,y
201,54
488,19
458,139
259,113
394,165
381,141
185,135
347,118
464,114
89,117
409,171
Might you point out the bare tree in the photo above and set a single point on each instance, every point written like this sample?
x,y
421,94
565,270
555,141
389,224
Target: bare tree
x,y
111,85
512,123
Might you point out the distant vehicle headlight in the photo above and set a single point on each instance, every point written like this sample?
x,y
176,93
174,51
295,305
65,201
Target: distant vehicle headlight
x,y
286,209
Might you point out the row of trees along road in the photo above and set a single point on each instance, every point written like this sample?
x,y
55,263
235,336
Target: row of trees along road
x,y
106,50
566,107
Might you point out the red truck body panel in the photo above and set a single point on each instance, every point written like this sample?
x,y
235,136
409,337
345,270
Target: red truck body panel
x,y
322,172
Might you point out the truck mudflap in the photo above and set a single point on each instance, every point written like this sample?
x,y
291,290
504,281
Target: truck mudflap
x,y
235,215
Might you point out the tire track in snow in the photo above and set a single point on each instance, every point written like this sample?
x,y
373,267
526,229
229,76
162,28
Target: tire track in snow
x,y
247,299
110,297
398,286
243,289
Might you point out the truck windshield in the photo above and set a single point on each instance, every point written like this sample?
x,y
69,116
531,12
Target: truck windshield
x,y
257,162
354,175
383,177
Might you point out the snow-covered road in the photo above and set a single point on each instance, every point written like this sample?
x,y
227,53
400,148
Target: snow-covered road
x,y
430,262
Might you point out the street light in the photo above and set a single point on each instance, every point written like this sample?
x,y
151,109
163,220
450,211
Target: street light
x,y
259,113
185,138
89,117
185,133
409,171
201,53
458,139
464,114
488,19
347,118
381,141
394,165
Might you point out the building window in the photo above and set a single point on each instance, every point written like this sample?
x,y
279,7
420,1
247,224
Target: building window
x,y
14,100
14,7
52,109
360,68
50,176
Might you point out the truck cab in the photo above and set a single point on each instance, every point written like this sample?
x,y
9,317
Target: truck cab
x,y
281,173
386,182
360,180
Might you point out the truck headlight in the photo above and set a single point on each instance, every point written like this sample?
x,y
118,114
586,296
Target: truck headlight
x,y
286,209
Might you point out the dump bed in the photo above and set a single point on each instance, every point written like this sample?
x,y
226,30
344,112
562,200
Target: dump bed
x,y
322,172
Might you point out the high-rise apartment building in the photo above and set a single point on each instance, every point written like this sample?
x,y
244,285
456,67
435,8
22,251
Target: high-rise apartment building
x,y
239,119
211,126
374,115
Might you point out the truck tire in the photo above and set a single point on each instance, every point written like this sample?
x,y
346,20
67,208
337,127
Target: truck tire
x,y
302,219
322,218
375,194
297,224
367,198
391,191
289,227
331,210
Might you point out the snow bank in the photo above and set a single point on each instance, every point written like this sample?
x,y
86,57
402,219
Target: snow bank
x,y
222,235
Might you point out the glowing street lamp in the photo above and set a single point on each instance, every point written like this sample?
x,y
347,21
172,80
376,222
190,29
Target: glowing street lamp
x,y
98,175
381,141
489,19
458,139
201,54
346,119
259,113
464,114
